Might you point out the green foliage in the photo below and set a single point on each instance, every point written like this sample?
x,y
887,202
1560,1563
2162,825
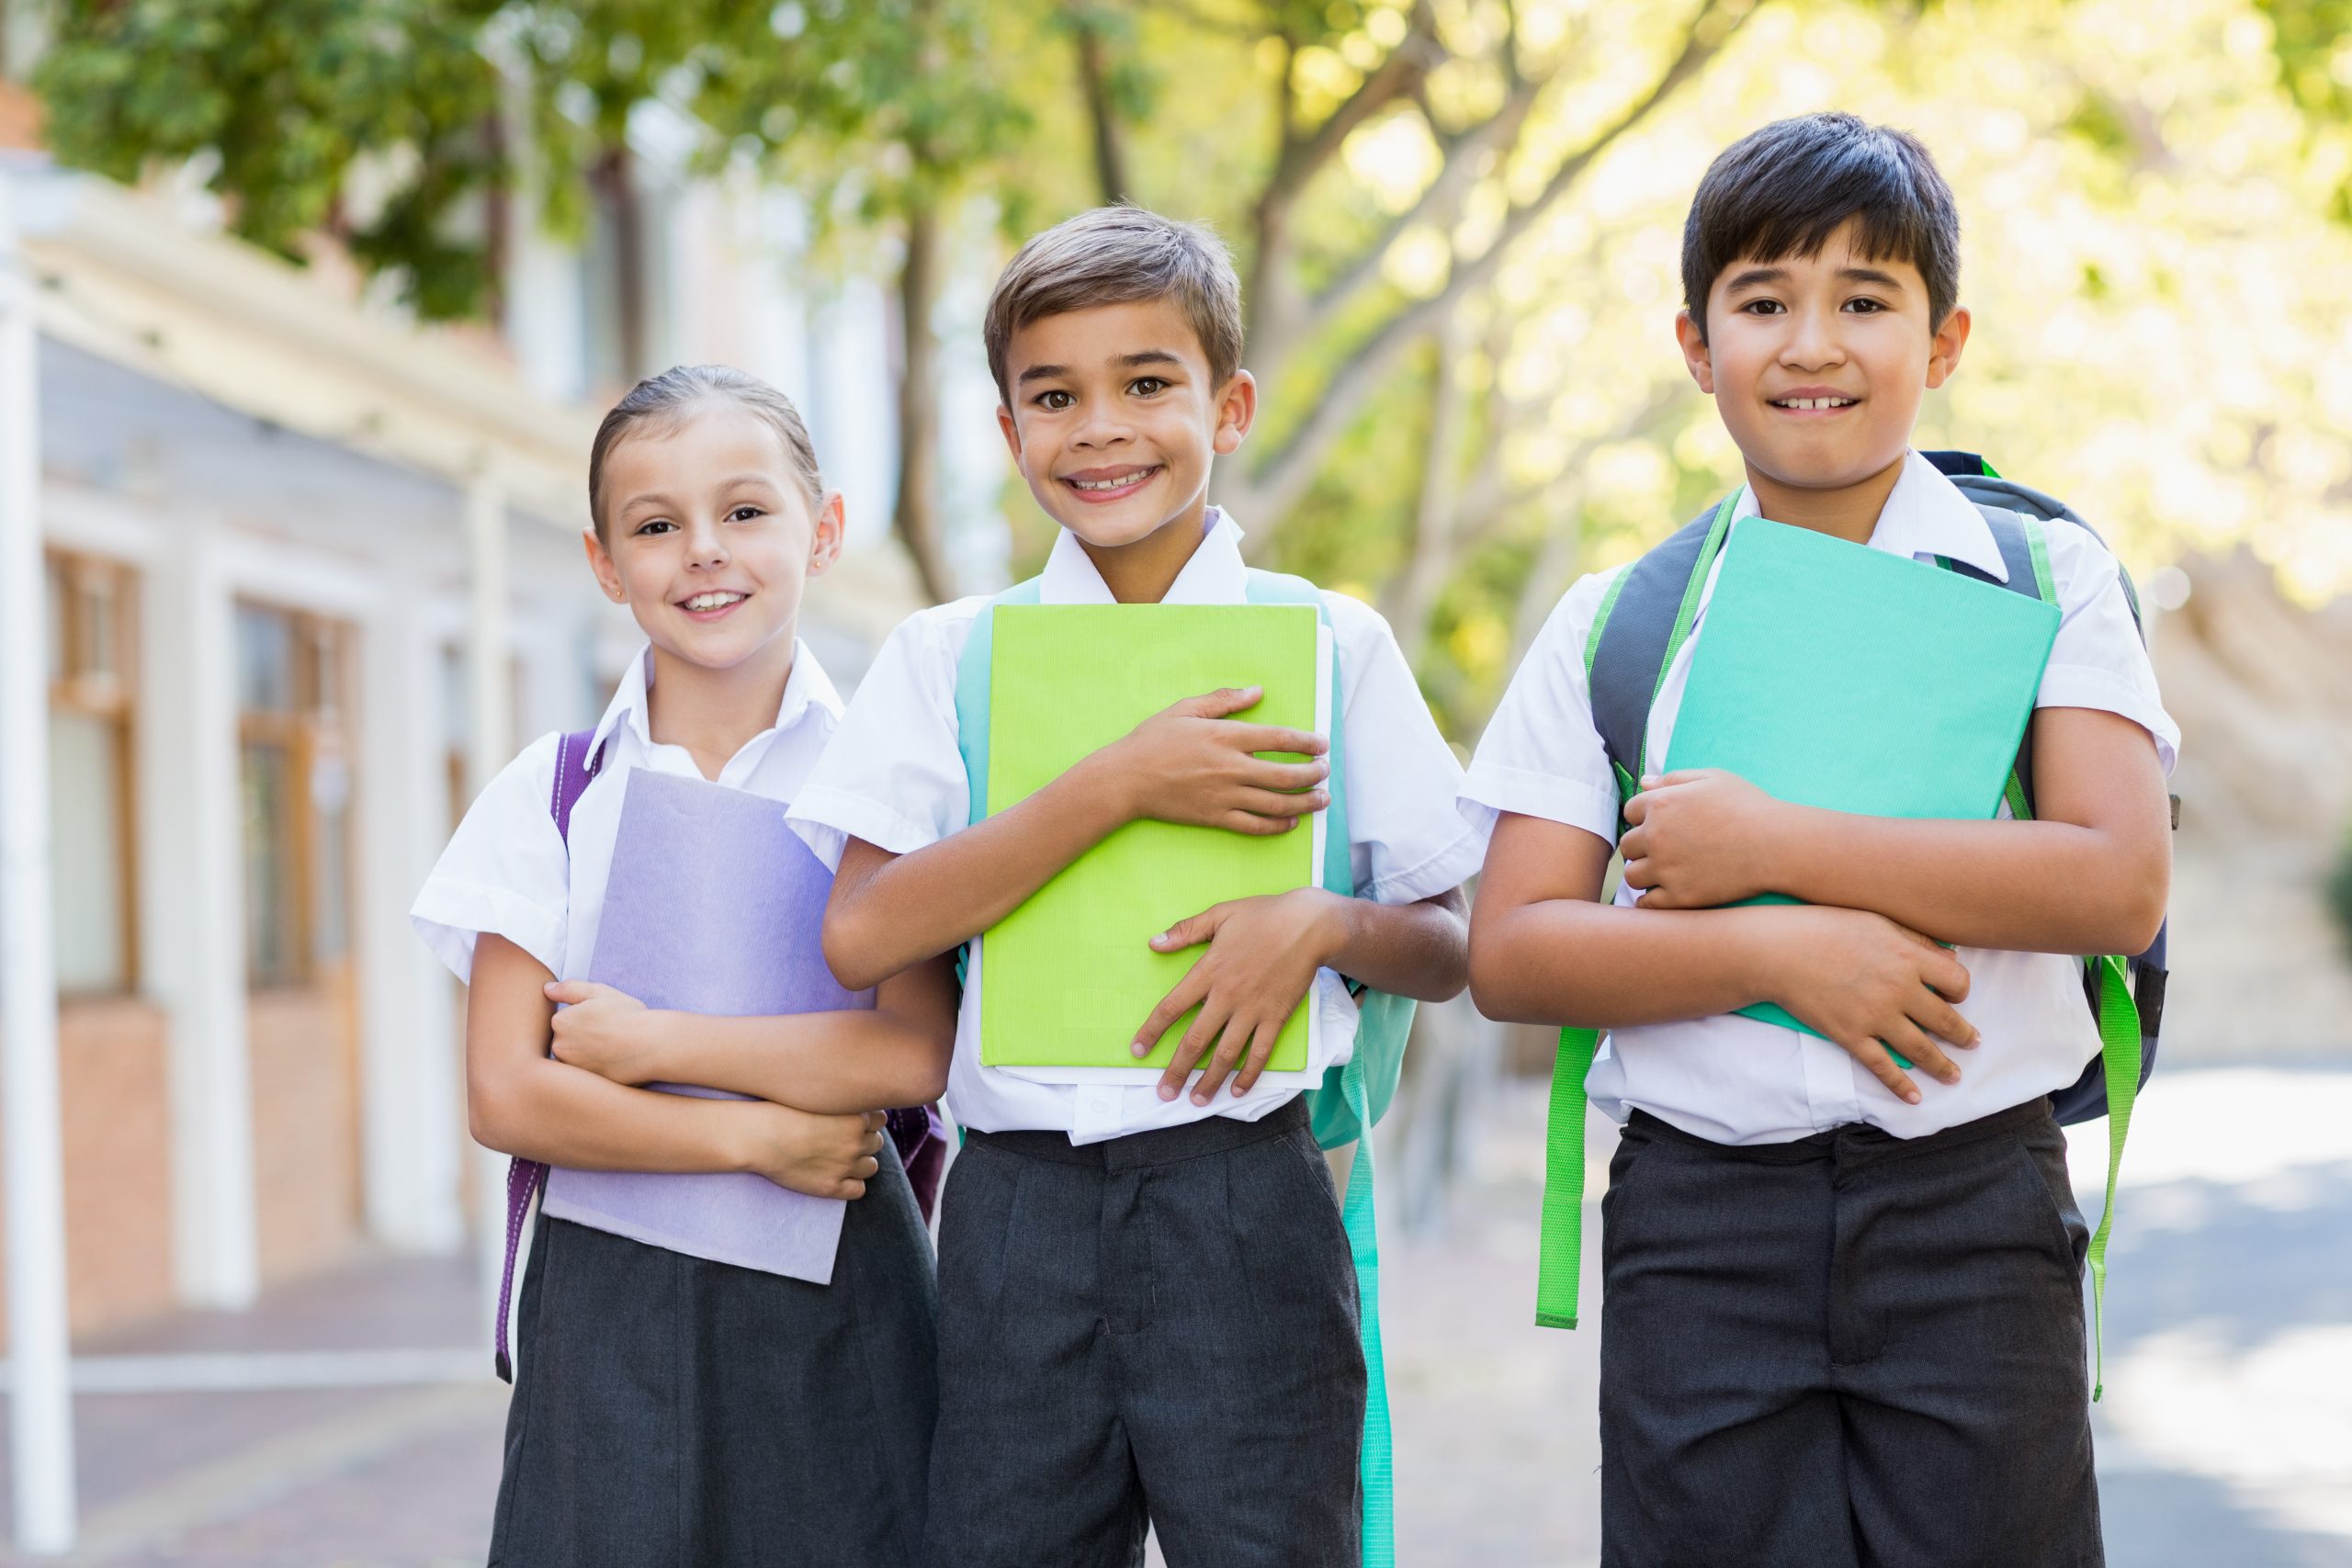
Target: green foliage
x,y
2312,40
2339,892
288,99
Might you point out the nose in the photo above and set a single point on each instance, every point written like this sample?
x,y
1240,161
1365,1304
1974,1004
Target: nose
x,y
705,543
1101,424
1813,342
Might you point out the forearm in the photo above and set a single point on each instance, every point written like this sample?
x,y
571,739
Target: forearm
x,y
1579,964
1419,950
890,913
2036,886
828,1063
543,1109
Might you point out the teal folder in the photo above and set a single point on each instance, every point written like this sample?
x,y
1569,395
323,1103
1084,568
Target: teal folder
x,y
1835,675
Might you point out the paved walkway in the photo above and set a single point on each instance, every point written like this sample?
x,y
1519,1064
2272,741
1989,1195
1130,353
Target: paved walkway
x,y
2225,1439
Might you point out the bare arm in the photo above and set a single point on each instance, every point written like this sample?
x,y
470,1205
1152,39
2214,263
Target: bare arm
x,y
2090,875
894,1053
522,1103
1544,949
1188,764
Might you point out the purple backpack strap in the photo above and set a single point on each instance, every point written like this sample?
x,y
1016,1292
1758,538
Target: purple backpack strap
x,y
575,764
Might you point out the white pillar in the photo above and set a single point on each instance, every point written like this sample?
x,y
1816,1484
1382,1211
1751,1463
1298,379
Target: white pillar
x,y
412,1123
488,742
192,918
40,1403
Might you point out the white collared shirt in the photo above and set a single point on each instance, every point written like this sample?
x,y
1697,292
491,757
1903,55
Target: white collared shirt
x,y
506,869
1733,1079
895,778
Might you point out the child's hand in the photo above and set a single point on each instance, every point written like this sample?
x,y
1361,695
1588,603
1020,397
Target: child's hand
x,y
1262,954
1193,763
1867,983
825,1157
1701,838
604,1030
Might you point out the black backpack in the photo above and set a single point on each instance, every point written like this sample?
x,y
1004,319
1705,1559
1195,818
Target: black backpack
x,y
1647,609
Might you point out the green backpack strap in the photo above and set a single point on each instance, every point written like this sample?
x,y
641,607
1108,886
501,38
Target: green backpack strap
x,y
1625,662
1352,1098
2025,553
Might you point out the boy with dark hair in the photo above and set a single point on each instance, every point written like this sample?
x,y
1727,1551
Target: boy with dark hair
x,y
1148,1307
1842,1316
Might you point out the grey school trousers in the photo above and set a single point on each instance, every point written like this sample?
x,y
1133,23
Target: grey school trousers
x,y
1161,1328
1849,1351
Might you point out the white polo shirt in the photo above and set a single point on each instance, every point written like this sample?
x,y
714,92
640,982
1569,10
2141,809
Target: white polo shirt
x,y
506,869
894,777
1734,1080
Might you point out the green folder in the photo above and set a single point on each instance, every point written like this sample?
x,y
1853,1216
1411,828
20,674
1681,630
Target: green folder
x,y
1835,675
1070,975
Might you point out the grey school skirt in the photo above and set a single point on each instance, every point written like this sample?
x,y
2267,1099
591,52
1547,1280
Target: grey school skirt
x,y
670,1411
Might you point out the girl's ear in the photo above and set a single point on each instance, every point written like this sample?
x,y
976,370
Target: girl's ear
x,y
600,562
1237,411
825,539
1696,355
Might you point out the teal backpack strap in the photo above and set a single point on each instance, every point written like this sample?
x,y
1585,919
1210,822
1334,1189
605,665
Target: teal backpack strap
x,y
973,668
1352,1098
1644,618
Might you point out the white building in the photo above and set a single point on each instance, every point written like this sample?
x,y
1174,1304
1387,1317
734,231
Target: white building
x,y
311,572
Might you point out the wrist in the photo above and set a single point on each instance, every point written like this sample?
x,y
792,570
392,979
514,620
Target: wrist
x,y
1101,791
1331,924
1754,946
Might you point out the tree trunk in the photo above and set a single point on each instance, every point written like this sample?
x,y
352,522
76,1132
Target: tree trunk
x,y
1415,590
616,179
916,517
1094,80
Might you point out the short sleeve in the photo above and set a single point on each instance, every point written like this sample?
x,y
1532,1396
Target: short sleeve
x,y
893,774
505,871
2100,659
1541,755
1406,841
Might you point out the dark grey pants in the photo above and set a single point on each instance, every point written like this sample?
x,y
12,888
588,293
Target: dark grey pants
x,y
1849,1351
671,1412
1158,1328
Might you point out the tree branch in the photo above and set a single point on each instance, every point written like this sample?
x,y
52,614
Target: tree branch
x,y
1278,479
1094,84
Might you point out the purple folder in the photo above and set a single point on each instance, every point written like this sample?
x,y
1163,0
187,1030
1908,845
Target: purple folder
x,y
713,906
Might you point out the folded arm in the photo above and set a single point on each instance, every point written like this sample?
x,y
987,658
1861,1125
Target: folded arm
x,y
1191,763
1543,949
521,1102
2090,875
830,1062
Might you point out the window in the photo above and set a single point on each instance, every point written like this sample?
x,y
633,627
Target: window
x,y
91,612
295,780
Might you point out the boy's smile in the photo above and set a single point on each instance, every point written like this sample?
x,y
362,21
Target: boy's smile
x,y
1114,422
1817,365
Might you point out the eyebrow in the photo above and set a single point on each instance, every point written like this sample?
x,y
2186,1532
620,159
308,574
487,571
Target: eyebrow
x,y
1761,275
660,500
1142,357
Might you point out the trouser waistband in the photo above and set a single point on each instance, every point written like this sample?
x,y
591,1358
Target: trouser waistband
x,y
1854,1143
1161,1145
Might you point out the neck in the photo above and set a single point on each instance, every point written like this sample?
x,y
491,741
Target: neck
x,y
1848,512
713,713
1142,573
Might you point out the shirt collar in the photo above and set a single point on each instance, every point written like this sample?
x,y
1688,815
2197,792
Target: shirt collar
x,y
1924,515
1214,575
806,690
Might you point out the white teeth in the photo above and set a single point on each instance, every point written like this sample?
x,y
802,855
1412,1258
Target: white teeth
x,y
1122,481
712,600
1810,404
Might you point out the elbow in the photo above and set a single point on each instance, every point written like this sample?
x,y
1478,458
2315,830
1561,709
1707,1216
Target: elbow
x,y
1494,989
490,1115
849,952
933,1083
2145,916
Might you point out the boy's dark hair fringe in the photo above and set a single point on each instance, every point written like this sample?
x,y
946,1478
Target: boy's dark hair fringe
x,y
1119,256
1784,191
